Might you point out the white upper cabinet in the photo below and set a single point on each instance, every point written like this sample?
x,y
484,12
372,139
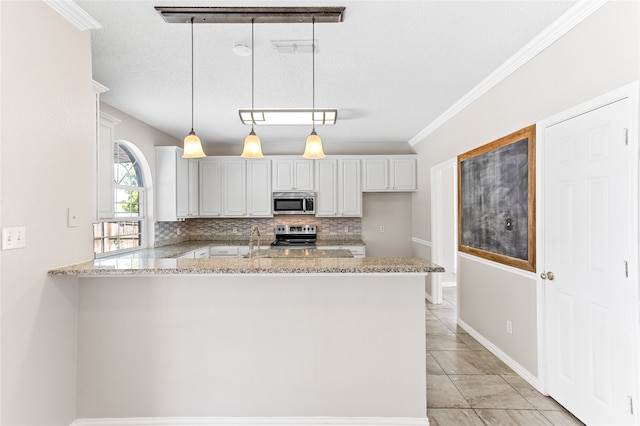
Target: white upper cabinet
x,y
210,187
104,148
292,174
259,188
194,185
327,195
389,173
349,188
339,188
172,184
234,187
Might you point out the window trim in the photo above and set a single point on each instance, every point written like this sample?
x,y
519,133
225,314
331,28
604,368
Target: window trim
x,y
142,167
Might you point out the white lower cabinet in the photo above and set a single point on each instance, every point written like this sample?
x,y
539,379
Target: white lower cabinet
x,y
201,253
339,189
232,251
356,251
223,251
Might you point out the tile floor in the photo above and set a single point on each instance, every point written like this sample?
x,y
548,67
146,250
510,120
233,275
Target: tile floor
x,y
468,385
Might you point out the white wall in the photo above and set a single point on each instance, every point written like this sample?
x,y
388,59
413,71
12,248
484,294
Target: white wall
x,y
393,211
599,55
47,165
271,345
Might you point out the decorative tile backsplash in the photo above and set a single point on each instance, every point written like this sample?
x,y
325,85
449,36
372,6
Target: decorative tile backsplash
x,y
239,229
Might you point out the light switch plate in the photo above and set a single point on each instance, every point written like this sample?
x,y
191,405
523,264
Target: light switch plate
x,y
14,238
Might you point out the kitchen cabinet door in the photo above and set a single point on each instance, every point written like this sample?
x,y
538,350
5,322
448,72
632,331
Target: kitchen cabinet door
x,y
210,173
172,184
339,188
349,188
292,175
259,188
104,167
327,195
194,201
404,174
234,187
395,173
376,174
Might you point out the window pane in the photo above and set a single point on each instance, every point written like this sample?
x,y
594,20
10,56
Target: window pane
x,y
111,236
126,170
127,203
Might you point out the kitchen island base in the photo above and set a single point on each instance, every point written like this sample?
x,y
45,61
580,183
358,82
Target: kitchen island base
x,y
319,348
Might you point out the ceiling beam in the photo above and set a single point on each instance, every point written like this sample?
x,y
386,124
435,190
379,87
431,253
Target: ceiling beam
x,y
244,15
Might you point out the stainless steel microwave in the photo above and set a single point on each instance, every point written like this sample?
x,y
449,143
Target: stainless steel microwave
x,y
294,203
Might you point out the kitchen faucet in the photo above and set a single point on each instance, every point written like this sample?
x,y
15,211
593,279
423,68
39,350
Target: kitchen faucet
x,y
255,230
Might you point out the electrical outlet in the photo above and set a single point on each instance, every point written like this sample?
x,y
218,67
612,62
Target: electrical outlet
x,y
509,327
382,228
14,238
346,228
235,229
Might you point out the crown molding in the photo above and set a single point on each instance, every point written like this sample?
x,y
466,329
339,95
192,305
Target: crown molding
x,y
548,36
73,13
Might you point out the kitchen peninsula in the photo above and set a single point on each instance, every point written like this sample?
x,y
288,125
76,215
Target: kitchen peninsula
x,y
291,340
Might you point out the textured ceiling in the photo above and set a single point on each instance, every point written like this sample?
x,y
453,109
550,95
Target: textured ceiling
x,y
391,68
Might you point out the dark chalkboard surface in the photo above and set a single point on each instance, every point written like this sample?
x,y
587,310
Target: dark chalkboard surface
x,y
496,202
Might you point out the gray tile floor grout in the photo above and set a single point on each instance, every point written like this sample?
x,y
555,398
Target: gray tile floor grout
x,y
468,385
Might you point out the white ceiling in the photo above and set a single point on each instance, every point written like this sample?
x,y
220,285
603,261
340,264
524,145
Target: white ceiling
x,y
391,68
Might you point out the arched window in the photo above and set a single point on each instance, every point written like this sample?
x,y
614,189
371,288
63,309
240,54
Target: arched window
x,y
126,230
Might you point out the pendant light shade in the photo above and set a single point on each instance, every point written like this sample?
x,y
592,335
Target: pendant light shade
x,y
192,144
252,146
313,147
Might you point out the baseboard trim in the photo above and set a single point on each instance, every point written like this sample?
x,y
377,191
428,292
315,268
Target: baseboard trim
x,y
255,421
421,241
428,297
511,363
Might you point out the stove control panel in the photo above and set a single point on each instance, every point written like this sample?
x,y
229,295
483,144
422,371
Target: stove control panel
x,y
295,229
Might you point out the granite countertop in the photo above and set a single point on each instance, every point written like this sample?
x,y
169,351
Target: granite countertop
x,y
256,265
178,249
164,260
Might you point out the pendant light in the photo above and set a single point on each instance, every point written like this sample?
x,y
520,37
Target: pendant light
x,y
313,146
252,147
192,144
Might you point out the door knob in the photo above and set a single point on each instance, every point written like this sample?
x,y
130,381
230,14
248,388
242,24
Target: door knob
x,y
547,275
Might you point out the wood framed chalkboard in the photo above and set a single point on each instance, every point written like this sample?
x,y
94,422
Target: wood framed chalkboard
x,y
496,200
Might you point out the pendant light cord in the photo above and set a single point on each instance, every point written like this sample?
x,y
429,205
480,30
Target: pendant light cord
x,y
252,74
313,72
192,74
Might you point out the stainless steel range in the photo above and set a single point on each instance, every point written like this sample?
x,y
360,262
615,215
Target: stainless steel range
x,y
295,236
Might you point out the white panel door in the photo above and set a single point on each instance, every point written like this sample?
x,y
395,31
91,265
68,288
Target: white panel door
x,y
588,296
